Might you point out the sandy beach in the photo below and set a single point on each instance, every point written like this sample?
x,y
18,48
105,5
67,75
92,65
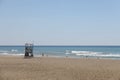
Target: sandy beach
x,y
46,68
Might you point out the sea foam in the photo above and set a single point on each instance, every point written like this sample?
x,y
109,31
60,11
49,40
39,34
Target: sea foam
x,y
92,54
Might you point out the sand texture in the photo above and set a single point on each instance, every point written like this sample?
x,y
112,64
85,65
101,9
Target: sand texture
x,y
44,68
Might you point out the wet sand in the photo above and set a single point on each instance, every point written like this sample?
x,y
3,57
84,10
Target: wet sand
x,y
46,68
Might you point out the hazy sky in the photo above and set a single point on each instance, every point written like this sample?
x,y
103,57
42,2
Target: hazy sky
x,y
60,22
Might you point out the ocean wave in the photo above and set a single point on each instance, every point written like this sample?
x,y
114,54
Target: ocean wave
x,y
11,54
83,52
91,54
20,54
14,50
109,55
1,51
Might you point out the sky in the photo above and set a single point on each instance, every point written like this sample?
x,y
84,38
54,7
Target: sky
x,y
60,22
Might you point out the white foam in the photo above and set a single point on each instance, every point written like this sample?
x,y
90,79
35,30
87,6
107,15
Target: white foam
x,y
14,50
16,54
12,54
83,52
4,53
93,54
109,55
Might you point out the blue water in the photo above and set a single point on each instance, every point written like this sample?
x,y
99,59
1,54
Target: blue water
x,y
70,51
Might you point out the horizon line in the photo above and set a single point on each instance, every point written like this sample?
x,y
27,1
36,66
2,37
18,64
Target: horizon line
x,y
61,45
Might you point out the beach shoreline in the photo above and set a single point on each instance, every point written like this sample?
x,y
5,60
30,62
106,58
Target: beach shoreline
x,y
53,68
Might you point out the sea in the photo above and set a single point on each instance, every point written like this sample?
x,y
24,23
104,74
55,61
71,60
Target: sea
x,y
111,52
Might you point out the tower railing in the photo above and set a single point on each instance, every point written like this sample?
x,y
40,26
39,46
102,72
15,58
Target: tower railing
x,y
28,50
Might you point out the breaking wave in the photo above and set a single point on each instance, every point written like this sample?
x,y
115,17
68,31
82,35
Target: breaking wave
x,y
14,50
92,54
11,53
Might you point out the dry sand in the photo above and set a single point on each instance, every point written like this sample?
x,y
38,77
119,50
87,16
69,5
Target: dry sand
x,y
43,68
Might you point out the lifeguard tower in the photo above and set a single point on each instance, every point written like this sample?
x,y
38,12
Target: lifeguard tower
x,y
28,50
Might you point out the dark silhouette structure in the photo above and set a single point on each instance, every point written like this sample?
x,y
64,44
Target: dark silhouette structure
x,y
28,50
